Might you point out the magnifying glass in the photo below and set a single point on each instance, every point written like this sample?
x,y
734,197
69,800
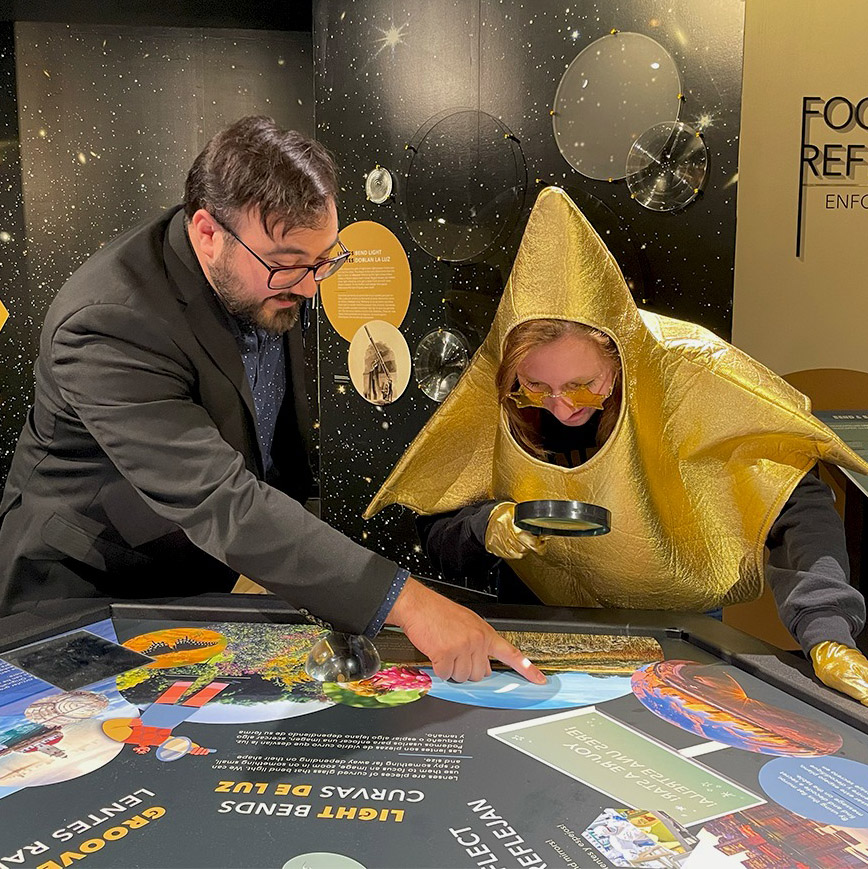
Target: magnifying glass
x,y
563,518
340,657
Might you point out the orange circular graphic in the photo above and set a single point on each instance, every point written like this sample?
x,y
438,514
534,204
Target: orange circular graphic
x,y
374,284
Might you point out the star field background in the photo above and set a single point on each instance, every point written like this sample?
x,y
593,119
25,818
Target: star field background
x,y
383,68
104,121
109,119
15,339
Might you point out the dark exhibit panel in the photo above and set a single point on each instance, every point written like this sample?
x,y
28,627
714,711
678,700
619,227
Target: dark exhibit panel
x,y
16,381
189,735
464,105
110,118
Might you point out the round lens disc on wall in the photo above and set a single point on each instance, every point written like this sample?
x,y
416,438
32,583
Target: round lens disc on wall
x,y
440,359
465,184
378,185
615,88
666,166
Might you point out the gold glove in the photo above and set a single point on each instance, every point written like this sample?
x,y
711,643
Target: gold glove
x,y
842,668
504,539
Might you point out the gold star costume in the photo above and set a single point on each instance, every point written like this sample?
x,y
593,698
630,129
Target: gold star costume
x,y
707,448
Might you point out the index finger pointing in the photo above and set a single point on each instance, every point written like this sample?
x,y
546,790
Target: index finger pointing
x,y
515,658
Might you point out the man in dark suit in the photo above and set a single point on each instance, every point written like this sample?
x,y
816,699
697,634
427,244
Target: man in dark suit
x,y
165,452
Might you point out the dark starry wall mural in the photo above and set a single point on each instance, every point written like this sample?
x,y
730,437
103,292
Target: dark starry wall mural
x,y
455,98
108,121
15,385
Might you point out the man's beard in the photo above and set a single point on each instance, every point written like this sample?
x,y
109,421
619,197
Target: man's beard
x,y
252,312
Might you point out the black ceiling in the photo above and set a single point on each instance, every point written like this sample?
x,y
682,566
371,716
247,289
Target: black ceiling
x,y
254,14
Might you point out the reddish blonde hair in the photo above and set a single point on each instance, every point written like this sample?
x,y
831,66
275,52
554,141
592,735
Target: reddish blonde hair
x,y
524,423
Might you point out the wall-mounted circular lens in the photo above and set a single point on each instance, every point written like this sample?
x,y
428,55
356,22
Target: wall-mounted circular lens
x,y
666,166
465,185
378,185
615,88
440,359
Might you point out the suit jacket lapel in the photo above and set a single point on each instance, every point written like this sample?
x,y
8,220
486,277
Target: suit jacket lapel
x,y
205,315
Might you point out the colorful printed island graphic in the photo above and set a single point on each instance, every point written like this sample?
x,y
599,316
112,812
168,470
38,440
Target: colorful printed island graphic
x,y
706,700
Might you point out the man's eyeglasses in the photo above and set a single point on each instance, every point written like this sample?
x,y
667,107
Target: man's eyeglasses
x,y
284,277
580,397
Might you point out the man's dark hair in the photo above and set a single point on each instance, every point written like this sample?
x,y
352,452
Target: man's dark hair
x,y
287,177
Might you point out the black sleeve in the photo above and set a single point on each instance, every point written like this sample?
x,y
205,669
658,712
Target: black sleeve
x,y
809,572
455,543
133,389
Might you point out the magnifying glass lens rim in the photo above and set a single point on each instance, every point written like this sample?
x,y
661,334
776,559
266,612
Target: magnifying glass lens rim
x,y
595,519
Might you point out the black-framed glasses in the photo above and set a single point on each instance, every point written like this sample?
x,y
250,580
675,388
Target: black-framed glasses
x,y
284,277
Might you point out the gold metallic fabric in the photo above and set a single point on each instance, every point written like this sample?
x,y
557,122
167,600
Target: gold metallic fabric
x,y
504,539
707,448
842,668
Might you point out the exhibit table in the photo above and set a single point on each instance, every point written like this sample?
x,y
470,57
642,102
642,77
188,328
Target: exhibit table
x,y
186,734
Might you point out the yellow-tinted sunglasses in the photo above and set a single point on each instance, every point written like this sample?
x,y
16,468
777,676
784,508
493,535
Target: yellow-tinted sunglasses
x,y
579,397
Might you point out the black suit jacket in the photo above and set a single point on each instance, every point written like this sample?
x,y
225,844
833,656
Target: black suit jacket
x,y
138,472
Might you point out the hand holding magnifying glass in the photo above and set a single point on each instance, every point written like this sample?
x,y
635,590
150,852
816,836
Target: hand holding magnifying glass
x,y
514,530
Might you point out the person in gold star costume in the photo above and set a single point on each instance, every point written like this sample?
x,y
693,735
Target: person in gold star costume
x,y
702,455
